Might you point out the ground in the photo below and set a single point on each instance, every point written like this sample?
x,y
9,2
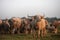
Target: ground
x,y
49,36
28,37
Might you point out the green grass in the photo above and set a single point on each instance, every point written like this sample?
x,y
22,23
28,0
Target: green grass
x,y
28,37
49,36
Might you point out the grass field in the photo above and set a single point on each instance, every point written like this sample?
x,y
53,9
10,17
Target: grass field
x,y
49,36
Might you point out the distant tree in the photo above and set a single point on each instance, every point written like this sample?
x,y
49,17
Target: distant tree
x,y
51,19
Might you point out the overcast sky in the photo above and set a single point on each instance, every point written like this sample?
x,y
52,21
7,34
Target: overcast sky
x,y
20,8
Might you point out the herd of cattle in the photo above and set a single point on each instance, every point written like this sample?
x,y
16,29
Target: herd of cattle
x,y
36,24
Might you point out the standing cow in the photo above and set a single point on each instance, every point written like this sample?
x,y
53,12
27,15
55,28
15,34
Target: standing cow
x,y
41,26
6,26
33,25
26,25
15,23
0,25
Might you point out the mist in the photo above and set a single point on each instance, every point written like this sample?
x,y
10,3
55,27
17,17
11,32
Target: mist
x,y
21,8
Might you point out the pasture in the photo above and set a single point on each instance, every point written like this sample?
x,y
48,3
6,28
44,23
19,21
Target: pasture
x,y
28,37
22,36
49,36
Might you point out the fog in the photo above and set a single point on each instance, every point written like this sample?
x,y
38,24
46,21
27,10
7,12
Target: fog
x,y
20,8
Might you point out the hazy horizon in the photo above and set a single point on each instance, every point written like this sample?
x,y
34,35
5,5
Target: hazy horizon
x,y
21,8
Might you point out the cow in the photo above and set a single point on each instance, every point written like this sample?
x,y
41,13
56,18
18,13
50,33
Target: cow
x,y
50,28
0,25
15,23
41,25
6,26
56,23
26,25
33,25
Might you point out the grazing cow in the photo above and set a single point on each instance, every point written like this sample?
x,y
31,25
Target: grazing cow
x,y
41,26
51,28
15,25
56,24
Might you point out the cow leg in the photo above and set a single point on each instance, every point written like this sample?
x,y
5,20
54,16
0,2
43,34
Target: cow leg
x,y
34,33
38,33
26,31
55,31
13,31
31,31
18,30
43,32
7,29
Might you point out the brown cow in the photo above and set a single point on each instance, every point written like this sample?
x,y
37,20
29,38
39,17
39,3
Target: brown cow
x,y
0,25
16,24
42,26
0,21
38,24
56,24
